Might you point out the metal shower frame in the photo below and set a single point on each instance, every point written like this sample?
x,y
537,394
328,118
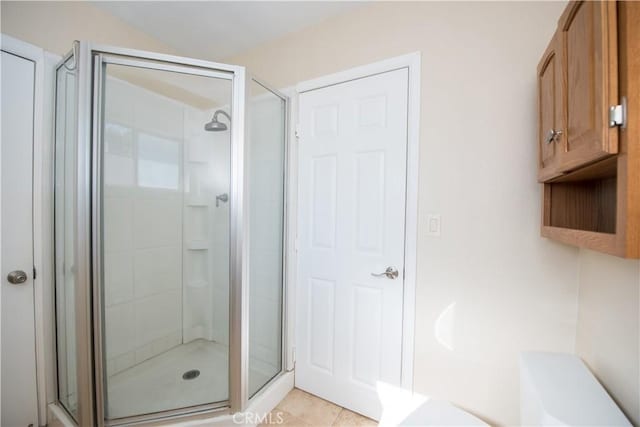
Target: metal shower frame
x,y
90,60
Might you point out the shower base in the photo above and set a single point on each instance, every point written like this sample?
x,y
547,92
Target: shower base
x,y
157,384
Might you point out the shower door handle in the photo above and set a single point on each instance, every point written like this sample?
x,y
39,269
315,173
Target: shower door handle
x,y
390,273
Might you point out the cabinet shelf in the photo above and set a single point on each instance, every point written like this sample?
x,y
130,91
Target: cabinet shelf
x,y
588,205
602,242
604,169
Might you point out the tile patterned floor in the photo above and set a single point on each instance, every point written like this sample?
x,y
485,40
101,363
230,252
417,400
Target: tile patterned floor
x,y
299,408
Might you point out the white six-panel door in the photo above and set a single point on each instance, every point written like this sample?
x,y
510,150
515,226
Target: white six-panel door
x,y
352,191
19,399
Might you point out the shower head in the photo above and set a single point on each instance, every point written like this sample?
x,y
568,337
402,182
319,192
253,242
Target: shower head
x,y
216,125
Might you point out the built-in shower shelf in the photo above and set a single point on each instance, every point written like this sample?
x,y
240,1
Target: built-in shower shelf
x,y
198,284
198,203
197,245
198,161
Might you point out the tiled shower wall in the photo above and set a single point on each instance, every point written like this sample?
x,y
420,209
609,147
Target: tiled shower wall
x,y
166,242
206,231
143,224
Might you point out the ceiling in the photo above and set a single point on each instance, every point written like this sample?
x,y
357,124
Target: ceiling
x,y
217,30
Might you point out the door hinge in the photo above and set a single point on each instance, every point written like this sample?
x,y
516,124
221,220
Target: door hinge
x,y
618,114
297,132
293,354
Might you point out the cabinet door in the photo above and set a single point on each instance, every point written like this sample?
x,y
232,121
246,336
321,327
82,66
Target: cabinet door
x,y
550,110
590,59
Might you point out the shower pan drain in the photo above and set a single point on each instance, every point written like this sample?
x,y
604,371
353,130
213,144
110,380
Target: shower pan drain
x,y
189,375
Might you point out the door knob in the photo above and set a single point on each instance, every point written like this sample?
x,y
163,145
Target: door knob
x,y
17,277
221,198
390,272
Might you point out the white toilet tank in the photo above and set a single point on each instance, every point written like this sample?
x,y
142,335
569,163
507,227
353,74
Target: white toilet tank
x,y
559,390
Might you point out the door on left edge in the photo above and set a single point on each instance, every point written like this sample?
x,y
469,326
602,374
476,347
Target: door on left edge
x,y
19,398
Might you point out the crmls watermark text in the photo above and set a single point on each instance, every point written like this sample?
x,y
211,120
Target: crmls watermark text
x,y
254,418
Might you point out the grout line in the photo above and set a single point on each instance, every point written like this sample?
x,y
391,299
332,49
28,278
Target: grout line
x,y
337,416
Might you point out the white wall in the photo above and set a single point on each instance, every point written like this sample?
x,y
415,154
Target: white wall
x,y
512,290
54,25
608,337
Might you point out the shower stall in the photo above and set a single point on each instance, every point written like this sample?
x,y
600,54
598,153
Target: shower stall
x,y
169,235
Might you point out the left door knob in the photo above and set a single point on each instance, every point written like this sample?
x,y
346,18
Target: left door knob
x,y
17,277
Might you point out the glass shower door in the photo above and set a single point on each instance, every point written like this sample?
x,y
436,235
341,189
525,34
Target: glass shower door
x,y
169,235
65,233
266,155
164,195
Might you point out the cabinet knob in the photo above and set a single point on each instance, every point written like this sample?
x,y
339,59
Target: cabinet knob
x,y
552,136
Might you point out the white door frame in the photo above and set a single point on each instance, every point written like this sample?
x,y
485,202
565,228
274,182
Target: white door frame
x,y
42,218
410,61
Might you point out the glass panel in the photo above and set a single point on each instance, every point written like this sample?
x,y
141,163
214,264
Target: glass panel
x,y
165,210
65,191
266,158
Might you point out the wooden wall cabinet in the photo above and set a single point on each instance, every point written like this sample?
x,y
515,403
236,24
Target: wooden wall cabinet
x,y
589,167
577,83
